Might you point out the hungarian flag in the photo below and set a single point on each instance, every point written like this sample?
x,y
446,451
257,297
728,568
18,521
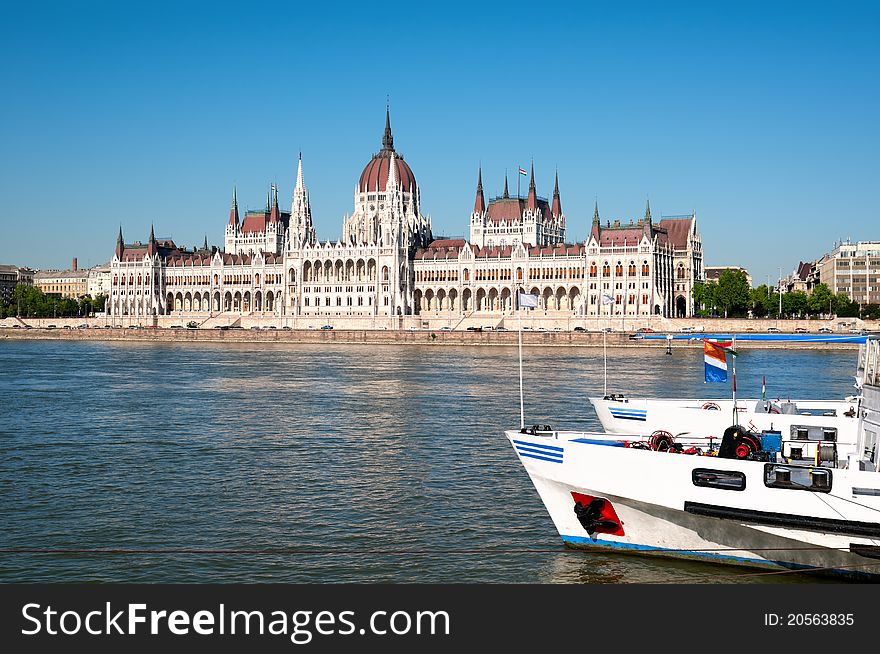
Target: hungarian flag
x,y
522,172
715,359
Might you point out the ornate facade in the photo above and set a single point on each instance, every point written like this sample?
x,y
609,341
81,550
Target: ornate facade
x,y
273,263
387,262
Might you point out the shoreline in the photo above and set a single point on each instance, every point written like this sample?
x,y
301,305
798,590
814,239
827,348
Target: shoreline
x,y
384,337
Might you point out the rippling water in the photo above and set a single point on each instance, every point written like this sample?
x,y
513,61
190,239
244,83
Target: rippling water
x,y
337,450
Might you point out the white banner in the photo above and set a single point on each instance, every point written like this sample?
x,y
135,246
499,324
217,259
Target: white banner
x,y
528,301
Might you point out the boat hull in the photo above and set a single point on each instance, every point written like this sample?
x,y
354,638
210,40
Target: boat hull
x,y
662,513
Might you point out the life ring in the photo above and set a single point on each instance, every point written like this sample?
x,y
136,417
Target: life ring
x,y
711,406
661,441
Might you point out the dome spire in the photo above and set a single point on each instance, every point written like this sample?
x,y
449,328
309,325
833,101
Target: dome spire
x,y
387,138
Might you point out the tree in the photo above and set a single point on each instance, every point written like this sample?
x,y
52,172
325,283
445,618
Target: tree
x,y
844,307
821,300
758,300
794,303
704,297
733,292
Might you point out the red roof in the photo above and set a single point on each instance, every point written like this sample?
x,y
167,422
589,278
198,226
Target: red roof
x,y
511,209
677,230
255,224
620,236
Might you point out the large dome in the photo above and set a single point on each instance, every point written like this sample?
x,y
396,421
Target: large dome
x,y
375,173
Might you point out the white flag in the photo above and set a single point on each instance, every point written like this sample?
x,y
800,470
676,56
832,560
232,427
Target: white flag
x,y
528,301
607,299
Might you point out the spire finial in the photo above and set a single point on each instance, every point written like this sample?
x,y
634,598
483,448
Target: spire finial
x,y
596,212
387,139
506,194
647,210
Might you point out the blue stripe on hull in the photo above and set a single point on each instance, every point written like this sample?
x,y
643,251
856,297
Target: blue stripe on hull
x,y
554,448
710,557
536,456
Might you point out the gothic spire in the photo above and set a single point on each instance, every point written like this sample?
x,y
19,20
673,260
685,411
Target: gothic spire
x,y
648,211
274,214
120,244
152,247
205,246
533,193
387,139
233,212
480,202
556,208
506,194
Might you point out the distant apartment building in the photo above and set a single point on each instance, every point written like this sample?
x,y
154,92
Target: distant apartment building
x,y
63,283
12,276
804,278
98,281
854,269
713,273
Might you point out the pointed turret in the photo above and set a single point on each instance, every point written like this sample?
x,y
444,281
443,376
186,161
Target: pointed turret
x,y
301,230
391,184
506,194
532,202
596,229
233,212
120,244
387,138
480,202
205,246
274,214
556,207
647,211
152,246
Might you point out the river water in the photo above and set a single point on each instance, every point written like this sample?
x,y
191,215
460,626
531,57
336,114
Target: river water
x,y
301,463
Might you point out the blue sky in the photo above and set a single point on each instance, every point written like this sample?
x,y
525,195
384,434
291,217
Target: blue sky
x,y
761,116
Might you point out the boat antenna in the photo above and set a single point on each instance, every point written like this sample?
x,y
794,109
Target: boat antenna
x,y
735,413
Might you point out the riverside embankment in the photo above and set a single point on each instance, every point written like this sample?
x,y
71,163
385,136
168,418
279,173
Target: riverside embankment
x,y
383,337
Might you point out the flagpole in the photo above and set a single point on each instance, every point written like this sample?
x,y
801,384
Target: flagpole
x,y
522,411
605,359
735,413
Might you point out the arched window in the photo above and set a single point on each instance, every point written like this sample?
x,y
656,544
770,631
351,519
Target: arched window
x,y
593,269
645,268
681,271
632,268
467,275
618,269
606,270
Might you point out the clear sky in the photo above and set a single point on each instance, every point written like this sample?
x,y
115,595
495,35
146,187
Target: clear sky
x,y
763,117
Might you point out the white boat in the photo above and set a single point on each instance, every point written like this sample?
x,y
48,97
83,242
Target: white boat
x,y
808,424
767,509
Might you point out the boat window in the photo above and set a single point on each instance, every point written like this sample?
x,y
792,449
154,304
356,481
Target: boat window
x,y
808,478
723,479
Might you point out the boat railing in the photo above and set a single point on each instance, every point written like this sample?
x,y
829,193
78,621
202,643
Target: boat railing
x,y
869,362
